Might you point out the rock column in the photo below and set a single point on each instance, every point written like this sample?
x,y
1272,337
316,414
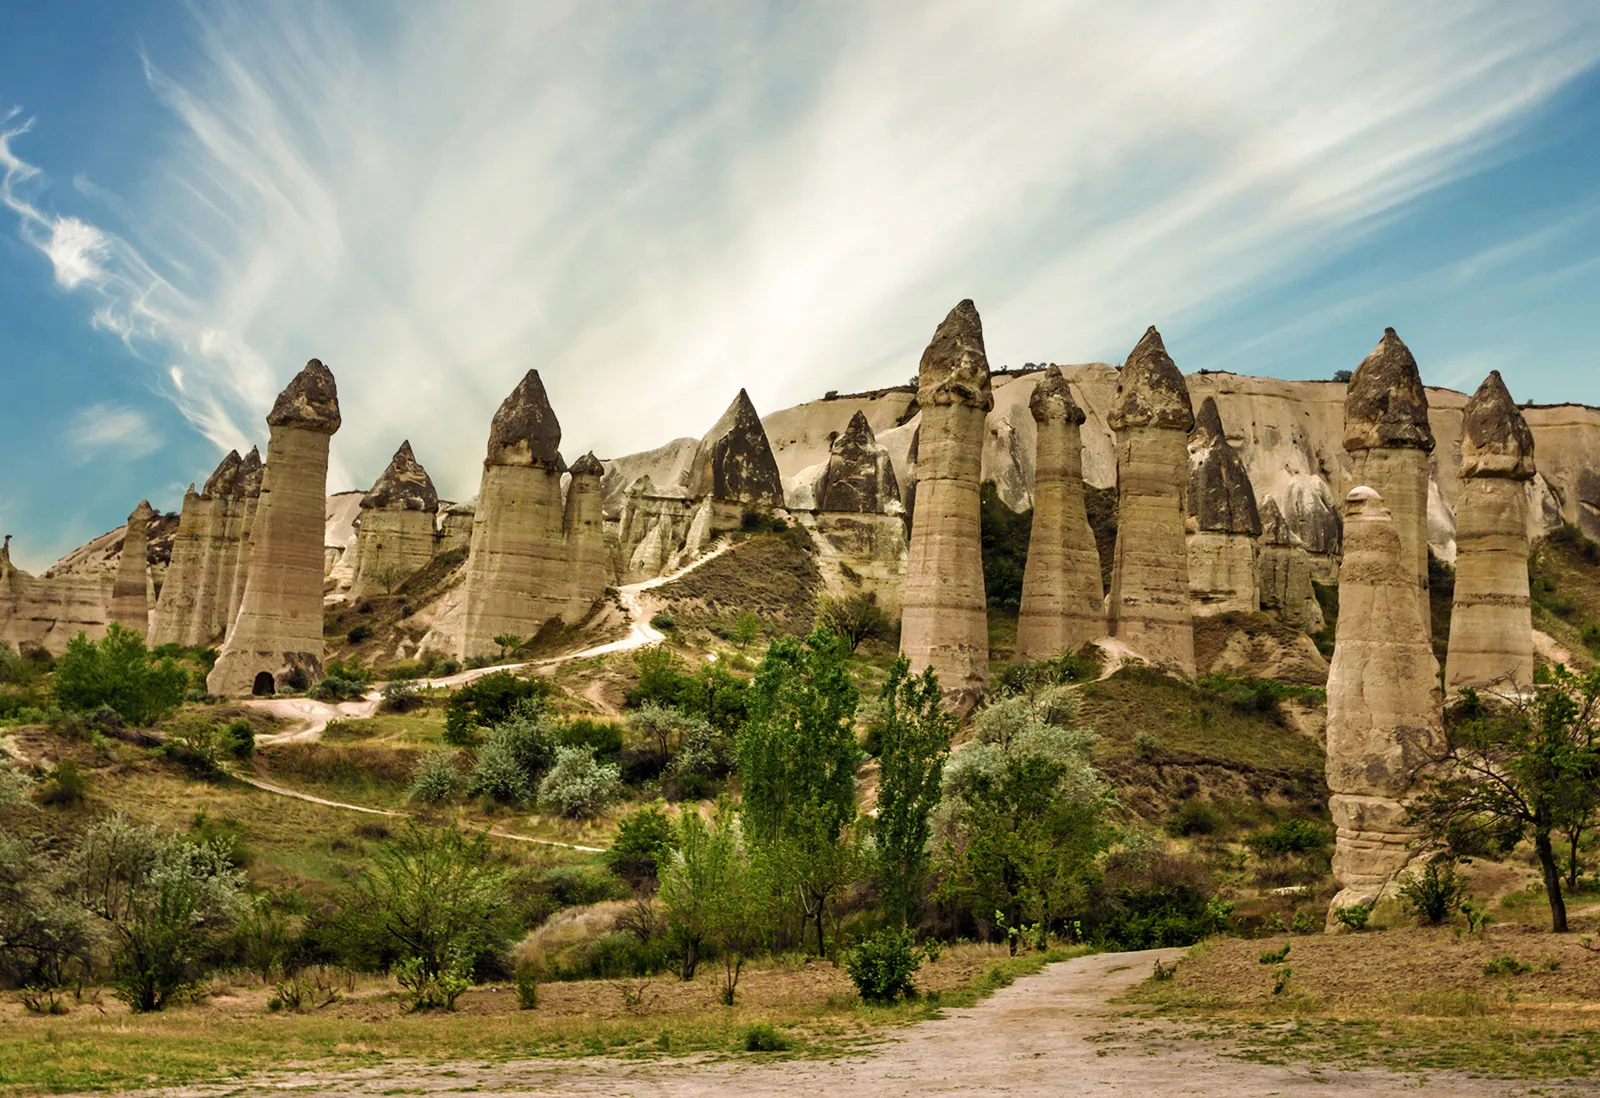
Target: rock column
x,y
945,622
251,474
395,538
1151,415
1384,705
175,605
1224,569
589,570
278,633
220,520
516,567
1286,573
1062,598
130,591
1387,433
1491,627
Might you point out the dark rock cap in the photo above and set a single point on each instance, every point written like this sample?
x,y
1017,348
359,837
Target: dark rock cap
x,y
859,476
1221,499
1151,391
588,466
405,484
250,473
1052,399
1275,528
1386,406
310,401
1495,439
225,480
525,430
735,460
955,369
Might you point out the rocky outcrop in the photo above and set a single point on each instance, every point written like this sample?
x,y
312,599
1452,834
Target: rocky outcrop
x,y
130,591
945,624
1224,574
589,570
1387,434
252,473
1309,511
1286,573
48,611
204,582
1149,605
1491,625
735,463
395,533
1384,704
455,525
859,476
277,635
175,605
1061,592
516,572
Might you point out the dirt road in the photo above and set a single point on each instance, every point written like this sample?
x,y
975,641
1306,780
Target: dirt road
x,y
1051,1034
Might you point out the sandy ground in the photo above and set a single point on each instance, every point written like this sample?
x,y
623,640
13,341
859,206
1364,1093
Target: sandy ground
x,y
1051,1034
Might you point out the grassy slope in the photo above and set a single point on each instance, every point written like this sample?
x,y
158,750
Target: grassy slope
x,y
773,575
1565,570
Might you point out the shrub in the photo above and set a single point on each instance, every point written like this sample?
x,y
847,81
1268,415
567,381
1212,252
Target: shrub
x,y
577,785
222,832
1591,637
1435,892
663,621
1289,837
196,742
64,785
400,696
855,619
488,701
239,739
1147,746
434,990
882,966
436,779
359,634
15,784
1275,956
645,839
118,671
762,1037
603,737
1506,965
1195,817
527,980
1026,678
1353,916
519,749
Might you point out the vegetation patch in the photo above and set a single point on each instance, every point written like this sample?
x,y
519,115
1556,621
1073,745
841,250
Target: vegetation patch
x,y
773,576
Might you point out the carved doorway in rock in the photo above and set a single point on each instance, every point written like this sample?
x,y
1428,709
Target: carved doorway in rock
x,y
264,685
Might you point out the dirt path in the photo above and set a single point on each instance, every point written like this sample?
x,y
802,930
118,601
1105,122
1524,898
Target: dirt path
x,y
1051,1034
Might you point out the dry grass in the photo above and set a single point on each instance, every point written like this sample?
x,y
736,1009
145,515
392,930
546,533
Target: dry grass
x,y
773,575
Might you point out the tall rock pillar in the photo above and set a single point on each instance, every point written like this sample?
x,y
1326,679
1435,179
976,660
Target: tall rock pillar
x,y
251,474
1061,592
395,537
1387,433
945,622
279,628
516,566
1491,626
1151,415
1224,565
175,604
1286,573
583,524
130,592
1385,717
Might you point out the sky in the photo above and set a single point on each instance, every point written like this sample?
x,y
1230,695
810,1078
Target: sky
x,y
657,204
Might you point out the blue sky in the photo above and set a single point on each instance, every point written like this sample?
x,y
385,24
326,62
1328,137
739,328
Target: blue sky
x,y
657,204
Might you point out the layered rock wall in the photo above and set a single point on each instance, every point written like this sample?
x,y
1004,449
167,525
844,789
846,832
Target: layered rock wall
x,y
1224,574
49,611
130,590
589,570
1286,573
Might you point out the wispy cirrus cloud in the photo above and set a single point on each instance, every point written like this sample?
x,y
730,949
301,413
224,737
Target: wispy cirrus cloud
x,y
111,430
655,205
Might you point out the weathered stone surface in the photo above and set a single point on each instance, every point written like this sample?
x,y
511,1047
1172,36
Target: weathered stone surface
x,y
48,611
859,477
1149,604
204,582
1491,624
1384,705
130,591
278,630
859,553
524,430
1061,592
252,472
589,567
1309,511
945,622
455,525
1286,573
735,463
1224,574
395,533
175,605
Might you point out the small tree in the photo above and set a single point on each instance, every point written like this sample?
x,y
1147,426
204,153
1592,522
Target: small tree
x,y
645,842
577,785
914,732
118,671
509,643
746,628
710,894
1526,768
855,619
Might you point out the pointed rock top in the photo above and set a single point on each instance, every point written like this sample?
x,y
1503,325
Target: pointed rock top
x,y
588,466
5,554
955,369
1052,399
1208,424
310,401
525,430
142,514
1275,529
1221,499
859,476
404,485
1385,406
735,461
1151,391
1495,439
191,493
225,480
250,472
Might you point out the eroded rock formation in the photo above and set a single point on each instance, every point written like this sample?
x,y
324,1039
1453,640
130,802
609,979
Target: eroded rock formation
x,y
1384,704
859,476
735,463
1286,573
1387,433
1224,574
48,611
945,623
130,591
1149,605
1061,592
395,533
1491,626
277,634
589,568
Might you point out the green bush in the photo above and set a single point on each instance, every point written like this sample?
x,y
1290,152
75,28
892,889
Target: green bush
x,y
763,1037
519,749
436,780
604,738
239,739
400,696
1353,916
645,839
488,701
117,671
359,634
1004,535
577,785
64,785
1435,893
883,965
195,742
1506,965
663,621
1195,817
1027,678
1289,837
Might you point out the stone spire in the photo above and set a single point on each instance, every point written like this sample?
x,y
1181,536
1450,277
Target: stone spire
x,y
225,480
237,557
859,476
395,535
525,430
1286,573
1224,570
1491,625
1149,605
175,619
277,637
945,623
1061,590
589,564
1385,716
130,592
1387,433
735,462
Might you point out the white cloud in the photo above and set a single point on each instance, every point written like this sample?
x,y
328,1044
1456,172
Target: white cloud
x,y
111,431
657,204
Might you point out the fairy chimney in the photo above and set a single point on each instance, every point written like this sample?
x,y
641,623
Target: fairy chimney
x,y
1224,570
395,532
130,591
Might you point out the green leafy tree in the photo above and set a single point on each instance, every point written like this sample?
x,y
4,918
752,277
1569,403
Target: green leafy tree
x,y
645,841
855,619
118,671
746,628
712,896
509,643
914,732
1527,768
578,785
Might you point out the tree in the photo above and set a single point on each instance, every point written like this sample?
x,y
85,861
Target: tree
x,y
1529,767
488,701
711,895
45,940
856,618
746,628
577,785
914,733
118,671
660,724
645,841
797,765
509,643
